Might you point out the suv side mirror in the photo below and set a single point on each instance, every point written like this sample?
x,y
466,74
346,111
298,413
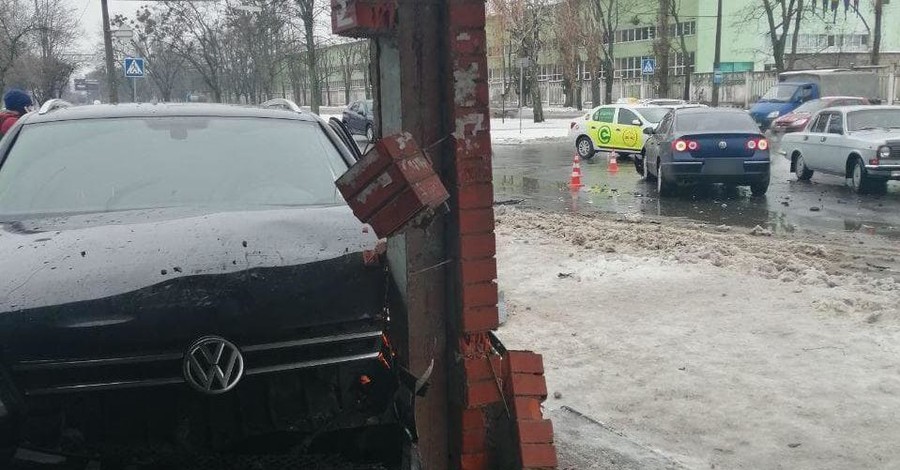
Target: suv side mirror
x,y
636,122
649,130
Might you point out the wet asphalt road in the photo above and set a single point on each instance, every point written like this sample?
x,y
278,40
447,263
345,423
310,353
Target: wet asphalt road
x,y
538,173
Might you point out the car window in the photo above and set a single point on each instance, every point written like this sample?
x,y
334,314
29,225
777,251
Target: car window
x,y
626,117
820,124
666,124
836,124
604,114
877,118
180,162
811,106
713,120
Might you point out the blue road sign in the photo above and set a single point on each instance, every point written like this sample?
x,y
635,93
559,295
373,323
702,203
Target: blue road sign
x,y
648,66
134,67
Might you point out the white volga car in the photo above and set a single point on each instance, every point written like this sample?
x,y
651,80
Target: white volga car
x,y
857,142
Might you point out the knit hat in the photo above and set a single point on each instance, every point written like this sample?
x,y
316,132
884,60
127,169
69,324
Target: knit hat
x,y
16,100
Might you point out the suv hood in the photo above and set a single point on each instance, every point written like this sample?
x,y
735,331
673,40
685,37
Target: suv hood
x,y
69,259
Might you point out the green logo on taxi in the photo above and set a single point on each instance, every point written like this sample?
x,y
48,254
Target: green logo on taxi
x,y
605,135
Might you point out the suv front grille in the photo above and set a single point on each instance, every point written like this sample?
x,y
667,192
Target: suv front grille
x,y
45,377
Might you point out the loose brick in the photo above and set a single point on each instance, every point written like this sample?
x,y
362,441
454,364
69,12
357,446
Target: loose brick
x,y
538,456
473,441
472,271
476,196
474,169
473,418
482,294
482,393
467,40
535,432
528,385
476,220
527,408
467,15
478,246
480,319
477,461
481,368
524,362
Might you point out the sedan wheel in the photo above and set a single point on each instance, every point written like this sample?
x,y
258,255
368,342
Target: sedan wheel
x,y
858,178
663,188
647,175
801,170
585,148
639,163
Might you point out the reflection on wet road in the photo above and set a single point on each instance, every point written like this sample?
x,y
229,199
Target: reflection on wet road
x,y
539,173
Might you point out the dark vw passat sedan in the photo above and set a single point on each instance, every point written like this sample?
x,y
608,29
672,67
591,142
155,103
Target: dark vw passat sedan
x,y
707,145
181,277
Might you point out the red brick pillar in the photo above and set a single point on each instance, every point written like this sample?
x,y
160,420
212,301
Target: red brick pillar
x,y
480,370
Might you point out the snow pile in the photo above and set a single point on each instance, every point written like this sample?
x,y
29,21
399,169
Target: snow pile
x,y
841,271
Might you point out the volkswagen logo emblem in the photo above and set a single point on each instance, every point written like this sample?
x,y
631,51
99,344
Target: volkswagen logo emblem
x,y
213,365
723,145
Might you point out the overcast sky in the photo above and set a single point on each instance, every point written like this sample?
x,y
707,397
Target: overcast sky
x,y
91,24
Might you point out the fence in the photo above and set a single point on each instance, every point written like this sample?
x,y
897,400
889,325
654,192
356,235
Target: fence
x,y
737,89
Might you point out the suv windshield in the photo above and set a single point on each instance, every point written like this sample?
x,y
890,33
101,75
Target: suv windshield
x,y
102,165
780,93
873,119
653,115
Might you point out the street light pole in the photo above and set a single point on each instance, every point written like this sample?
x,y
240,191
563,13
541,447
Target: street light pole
x,y
110,66
717,60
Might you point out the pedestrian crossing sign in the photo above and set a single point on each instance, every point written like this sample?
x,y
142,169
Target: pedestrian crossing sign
x,y
134,67
648,66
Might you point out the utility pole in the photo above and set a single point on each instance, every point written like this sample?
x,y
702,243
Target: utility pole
x,y
110,65
876,42
717,61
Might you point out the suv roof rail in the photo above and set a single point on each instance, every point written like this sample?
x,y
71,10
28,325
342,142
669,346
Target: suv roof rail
x,y
52,105
282,103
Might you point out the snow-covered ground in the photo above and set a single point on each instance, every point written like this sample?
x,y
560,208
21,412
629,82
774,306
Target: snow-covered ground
x,y
507,132
717,347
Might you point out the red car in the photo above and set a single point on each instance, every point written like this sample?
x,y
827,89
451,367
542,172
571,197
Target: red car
x,y
796,120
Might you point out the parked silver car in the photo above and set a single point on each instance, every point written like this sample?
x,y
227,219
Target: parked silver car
x,y
857,142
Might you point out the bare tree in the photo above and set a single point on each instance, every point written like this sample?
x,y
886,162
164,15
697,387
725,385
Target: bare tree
x,y
607,15
195,31
784,19
56,28
309,13
569,38
353,57
17,21
524,22
662,46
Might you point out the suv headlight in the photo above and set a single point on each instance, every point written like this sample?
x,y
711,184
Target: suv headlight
x,y
884,152
773,115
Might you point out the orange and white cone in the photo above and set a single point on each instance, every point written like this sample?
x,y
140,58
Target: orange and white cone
x,y
575,182
613,162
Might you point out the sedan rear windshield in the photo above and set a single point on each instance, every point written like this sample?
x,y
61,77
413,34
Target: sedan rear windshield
x,y
114,164
715,121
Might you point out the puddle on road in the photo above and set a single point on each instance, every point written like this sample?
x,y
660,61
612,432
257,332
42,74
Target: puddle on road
x,y
789,206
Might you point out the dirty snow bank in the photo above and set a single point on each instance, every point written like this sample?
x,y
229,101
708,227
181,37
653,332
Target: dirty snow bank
x,y
868,295
712,346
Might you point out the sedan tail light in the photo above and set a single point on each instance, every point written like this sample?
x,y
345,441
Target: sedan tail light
x,y
681,145
758,144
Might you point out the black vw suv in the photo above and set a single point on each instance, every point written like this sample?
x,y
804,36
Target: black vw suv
x,y
181,278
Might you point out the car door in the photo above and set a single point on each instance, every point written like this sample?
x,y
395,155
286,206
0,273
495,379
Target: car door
x,y
653,143
600,127
627,134
811,144
835,145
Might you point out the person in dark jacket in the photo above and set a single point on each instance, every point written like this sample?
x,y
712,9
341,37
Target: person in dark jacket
x,y
16,103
